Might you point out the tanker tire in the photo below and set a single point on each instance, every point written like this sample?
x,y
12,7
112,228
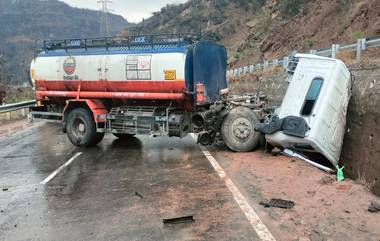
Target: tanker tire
x,y
238,130
123,136
99,137
81,128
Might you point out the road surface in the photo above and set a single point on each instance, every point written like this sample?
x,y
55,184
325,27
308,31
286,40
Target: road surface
x,y
94,198
122,190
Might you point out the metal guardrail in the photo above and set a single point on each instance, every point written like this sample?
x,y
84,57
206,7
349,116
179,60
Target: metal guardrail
x,y
16,106
358,47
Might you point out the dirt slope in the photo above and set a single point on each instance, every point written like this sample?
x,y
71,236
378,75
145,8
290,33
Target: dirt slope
x,y
254,30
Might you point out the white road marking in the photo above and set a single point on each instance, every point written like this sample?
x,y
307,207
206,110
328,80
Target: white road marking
x,y
258,225
66,164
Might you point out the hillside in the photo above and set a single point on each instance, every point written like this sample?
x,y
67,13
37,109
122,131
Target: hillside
x,y
24,23
253,30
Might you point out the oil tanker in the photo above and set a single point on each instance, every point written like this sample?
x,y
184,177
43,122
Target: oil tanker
x,y
167,84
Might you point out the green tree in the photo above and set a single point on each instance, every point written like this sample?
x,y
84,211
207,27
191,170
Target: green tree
x,y
3,72
3,78
291,7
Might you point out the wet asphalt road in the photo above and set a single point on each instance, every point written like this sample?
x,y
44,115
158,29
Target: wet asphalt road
x,y
95,197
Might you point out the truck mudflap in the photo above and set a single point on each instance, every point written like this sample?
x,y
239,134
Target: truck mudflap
x,y
290,125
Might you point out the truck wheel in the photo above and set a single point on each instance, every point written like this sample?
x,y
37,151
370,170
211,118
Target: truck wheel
x,y
122,135
81,128
238,130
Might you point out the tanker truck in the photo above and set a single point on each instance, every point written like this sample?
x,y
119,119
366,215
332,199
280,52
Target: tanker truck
x,y
167,84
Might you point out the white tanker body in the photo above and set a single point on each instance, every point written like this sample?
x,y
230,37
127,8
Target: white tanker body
x,y
144,72
154,85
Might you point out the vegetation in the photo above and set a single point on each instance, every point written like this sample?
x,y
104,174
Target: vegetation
x,y
4,74
212,36
358,35
250,4
237,56
308,43
264,21
18,94
291,8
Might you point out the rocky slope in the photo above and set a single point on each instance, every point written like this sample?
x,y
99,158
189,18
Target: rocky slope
x,y
253,30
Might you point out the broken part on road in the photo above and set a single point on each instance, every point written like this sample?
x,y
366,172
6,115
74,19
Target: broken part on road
x,y
278,203
177,220
312,116
374,208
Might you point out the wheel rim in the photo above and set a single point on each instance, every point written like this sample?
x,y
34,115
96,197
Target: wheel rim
x,y
79,128
242,128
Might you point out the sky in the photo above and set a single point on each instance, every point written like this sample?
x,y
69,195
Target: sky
x,y
132,10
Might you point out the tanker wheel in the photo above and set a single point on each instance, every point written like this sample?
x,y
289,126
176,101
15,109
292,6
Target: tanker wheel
x,y
238,130
123,135
81,128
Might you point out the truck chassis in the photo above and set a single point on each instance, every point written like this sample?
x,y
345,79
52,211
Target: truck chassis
x,y
231,119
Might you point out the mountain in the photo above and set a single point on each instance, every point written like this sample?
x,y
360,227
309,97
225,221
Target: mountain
x,y
25,23
253,30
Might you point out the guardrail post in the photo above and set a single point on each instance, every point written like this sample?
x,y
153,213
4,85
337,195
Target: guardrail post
x,y
258,66
245,69
266,64
333,54
275,62
334,50
285,61
251,68
240,71
360,45
313,51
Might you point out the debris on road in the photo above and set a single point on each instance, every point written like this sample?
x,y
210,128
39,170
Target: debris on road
x,y
5,189
184,219
374,208
278,203
139,195
339,173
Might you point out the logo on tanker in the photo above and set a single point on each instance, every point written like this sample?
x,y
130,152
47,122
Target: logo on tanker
x,y
69,65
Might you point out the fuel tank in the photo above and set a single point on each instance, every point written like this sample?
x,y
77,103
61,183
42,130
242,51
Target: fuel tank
x,y
138,69
114,71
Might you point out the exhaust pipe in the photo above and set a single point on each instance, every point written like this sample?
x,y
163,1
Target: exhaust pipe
x,y
198,120
205,138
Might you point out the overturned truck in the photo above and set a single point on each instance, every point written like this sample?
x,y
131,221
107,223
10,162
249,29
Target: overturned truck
x,y
312,116
168,84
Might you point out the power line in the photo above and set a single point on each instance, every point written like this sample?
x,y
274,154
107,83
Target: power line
x,y
104,21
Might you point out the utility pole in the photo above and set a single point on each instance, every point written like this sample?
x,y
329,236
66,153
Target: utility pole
x,y
104,23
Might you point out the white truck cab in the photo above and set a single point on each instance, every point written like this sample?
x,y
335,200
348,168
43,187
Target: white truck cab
x,y
312,116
